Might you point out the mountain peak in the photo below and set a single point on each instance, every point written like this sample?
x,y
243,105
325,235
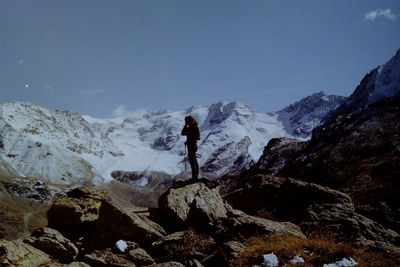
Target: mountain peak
x,y
381,82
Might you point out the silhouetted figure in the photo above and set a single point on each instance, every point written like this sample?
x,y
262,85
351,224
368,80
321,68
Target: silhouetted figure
x,y
192,132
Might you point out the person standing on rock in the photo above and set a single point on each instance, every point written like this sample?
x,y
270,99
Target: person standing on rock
x,y
192,133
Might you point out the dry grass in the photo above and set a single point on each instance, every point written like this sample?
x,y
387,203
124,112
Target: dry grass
x,y
315,252
192,246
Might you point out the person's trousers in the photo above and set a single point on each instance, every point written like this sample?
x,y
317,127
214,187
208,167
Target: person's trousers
x,y
193,162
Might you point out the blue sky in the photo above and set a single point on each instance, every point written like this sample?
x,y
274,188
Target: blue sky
x,y
102,58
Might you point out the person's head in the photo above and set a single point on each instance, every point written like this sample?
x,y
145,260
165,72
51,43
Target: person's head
x,y
190,120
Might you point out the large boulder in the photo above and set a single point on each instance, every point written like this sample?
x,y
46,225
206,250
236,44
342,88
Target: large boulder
x,y
313,207
18,254
193,203
54,244
116,223
75,214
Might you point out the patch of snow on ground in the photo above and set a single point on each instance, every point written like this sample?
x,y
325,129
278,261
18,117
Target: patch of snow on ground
x,y
121,245
271,259
343,263
297,259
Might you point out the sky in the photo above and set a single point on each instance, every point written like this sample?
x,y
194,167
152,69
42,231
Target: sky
x,y
122,57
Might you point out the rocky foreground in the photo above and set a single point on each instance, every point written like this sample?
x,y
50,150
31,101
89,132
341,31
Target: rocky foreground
x,y
192,226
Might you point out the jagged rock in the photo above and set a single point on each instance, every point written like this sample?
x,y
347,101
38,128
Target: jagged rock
x,y
241,225
313,207
73,211
203,208
184,247
106,258
277,153
140,257
167,264
54,244
115,224
233,156
193,203
80,206
16,253
286,198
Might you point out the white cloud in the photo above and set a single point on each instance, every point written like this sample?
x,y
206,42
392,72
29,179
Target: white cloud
x,y
387,13
121,111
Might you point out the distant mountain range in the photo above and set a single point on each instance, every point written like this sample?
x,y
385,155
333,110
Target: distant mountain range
x,y
64,147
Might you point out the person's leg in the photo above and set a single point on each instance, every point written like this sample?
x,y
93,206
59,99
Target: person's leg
x,y
193,163
196,165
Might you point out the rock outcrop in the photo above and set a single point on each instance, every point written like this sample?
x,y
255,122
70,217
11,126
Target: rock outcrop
x,y
314,208
193,203
199,206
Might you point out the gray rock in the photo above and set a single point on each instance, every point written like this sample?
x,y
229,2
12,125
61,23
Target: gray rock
x,y
115,224
241,225
140,257
80,206
16,253
314,208
54,244
193,203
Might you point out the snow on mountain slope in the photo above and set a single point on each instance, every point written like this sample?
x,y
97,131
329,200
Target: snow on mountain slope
x,y
381,82
66,148
300,118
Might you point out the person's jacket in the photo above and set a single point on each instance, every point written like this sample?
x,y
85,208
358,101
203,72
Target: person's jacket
x,y
192,134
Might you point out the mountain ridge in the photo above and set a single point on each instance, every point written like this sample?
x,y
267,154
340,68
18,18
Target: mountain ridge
x,y
66,147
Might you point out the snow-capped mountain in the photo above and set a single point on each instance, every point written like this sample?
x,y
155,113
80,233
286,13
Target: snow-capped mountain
x,y
64,147
381,82
300,118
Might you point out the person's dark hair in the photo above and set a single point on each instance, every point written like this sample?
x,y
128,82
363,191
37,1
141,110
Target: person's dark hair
x,y
190,119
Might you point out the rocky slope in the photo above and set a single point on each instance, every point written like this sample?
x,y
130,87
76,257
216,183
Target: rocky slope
x,y
356,149
23,205
193,226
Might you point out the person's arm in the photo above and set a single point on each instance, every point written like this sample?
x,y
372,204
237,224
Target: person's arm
x,y
184,130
